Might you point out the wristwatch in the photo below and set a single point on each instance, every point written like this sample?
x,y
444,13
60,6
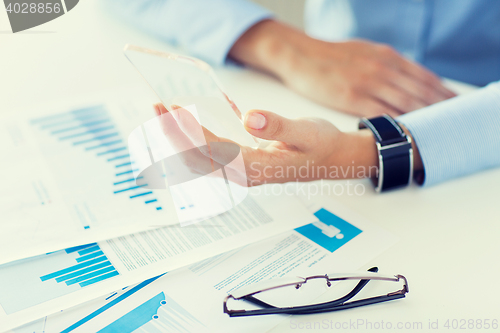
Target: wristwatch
x,y
395,153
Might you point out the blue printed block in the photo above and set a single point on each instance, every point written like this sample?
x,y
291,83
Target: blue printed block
x,y
331,232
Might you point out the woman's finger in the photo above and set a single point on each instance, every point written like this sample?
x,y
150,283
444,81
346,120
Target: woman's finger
x,y
425,78
397,98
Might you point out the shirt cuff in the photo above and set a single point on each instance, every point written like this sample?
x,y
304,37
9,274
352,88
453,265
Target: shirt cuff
x,y
205,29
211,37
246,16
458,136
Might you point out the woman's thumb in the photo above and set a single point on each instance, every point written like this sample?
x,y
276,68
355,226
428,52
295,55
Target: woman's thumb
x,y
270,126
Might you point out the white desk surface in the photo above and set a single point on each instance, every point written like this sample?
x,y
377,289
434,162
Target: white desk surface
x,y
449,245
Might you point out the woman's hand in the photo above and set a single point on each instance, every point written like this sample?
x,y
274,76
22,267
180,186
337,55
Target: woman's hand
x,y
357,77
301,149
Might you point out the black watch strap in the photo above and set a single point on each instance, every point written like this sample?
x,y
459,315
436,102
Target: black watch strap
x,y
394,151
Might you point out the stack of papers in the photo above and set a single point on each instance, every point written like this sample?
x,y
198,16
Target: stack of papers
x,y
82,249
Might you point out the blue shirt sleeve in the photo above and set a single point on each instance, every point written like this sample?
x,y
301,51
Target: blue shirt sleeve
x,y
207,29
459,136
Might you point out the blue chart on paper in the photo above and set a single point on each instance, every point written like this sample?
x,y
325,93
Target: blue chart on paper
x,y
159,313
331,232
92,266
32,281
92,131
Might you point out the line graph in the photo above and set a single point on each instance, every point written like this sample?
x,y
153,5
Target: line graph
x,y
157,313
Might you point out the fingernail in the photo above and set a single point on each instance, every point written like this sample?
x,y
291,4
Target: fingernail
x,y
255,121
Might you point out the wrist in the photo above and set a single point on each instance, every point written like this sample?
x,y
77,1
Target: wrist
x,y
365,154
361,152
358,155
271,46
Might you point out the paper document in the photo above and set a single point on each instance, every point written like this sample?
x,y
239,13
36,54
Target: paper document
x,y
66,181
49,283
190,299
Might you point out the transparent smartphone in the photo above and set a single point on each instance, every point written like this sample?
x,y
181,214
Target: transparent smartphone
x,y
184,81
175,151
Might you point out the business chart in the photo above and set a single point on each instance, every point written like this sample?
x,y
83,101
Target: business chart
x,y
155,312
144,307
36,280
72,181
63,279
92,131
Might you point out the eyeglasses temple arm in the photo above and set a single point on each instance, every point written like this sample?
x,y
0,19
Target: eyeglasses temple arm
x,y
311,309
257,301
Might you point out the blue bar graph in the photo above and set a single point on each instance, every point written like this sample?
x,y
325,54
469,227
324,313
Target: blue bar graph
x,y
125,172
90,256
92,266
98,108
118,157
82,125
98,279
105,144
74,119
130,188
96,130
78,248
93,129
140,194
88,250
82,271
90,275
123,164
97,138
111,151
72,268
127,180
73,114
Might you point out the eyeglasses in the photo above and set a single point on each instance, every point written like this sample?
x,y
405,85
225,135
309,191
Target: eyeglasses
x,y
288,286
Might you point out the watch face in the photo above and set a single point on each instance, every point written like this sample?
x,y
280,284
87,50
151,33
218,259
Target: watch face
x,y
395,153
